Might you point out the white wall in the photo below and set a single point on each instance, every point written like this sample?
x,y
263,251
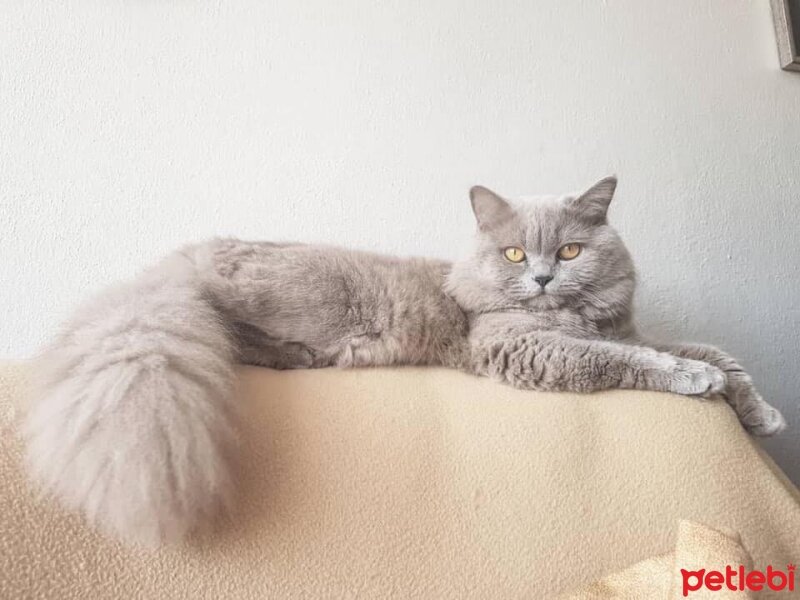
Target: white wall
x,y
129,128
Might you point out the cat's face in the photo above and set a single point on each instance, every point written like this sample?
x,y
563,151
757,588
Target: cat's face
x,y
544,253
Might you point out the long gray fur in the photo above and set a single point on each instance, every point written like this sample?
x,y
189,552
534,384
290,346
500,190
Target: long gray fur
x,y
134,422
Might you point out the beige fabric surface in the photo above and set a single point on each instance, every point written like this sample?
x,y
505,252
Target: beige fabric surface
x,y
421,483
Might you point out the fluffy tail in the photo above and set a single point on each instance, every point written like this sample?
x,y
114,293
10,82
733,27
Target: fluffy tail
x,y
133,420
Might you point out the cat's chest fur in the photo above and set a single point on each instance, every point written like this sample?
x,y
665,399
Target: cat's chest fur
x,y
564,321
572,323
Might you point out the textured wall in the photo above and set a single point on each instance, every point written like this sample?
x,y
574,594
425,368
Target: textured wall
x,y
129,128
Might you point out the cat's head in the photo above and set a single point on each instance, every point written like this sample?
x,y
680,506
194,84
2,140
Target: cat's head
x,y
545,253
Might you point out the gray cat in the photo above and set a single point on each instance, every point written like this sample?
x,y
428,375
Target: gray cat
x,y
134,420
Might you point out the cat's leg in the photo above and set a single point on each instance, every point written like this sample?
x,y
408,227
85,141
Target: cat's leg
x,y
254,347
755,414
288,355
547,361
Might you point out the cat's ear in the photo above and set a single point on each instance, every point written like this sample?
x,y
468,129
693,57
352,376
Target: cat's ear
x,y
489,208
592,204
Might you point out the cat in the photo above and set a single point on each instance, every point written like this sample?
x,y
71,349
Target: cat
x,y
134,422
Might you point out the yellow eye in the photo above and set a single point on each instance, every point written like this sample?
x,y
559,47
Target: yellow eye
x,y
514,254
569,251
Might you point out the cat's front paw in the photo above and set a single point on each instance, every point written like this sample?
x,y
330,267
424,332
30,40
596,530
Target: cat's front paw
x,y
765,421
695,378
756,416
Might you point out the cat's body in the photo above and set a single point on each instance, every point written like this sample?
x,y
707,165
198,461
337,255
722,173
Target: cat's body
x,y
301,306
134,423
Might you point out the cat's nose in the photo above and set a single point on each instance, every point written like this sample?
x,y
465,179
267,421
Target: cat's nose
x,y
543,280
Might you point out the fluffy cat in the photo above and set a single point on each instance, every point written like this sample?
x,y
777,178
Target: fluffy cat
x,y
134,422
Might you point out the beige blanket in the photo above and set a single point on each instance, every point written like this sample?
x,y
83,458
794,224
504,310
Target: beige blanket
x,y
422,483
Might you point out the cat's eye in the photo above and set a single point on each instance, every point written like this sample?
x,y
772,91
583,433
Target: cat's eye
x,y
514,254
569,251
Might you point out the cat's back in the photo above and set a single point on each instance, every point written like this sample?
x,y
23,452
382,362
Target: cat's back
x,y
322,270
